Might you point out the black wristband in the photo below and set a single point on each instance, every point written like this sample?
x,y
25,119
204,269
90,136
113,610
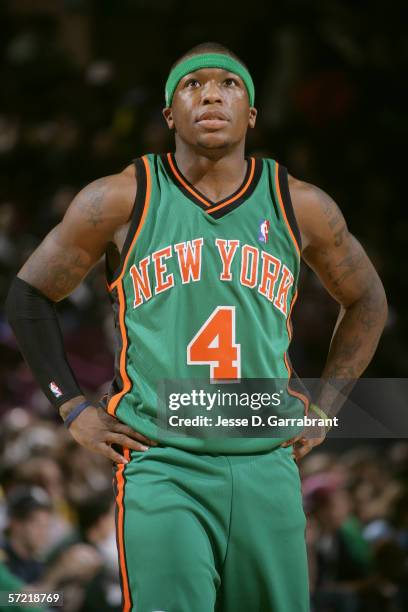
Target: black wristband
x,y
76,412
34,321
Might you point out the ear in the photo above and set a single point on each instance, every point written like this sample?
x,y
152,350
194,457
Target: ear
x,y
168,116
252,116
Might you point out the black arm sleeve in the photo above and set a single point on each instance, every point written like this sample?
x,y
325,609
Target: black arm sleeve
x,y
34,321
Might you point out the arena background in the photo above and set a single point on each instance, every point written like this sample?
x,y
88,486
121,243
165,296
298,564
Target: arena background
x,y
81,95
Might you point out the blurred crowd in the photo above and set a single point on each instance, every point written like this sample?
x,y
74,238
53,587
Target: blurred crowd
x,y
57,526
356,502
81,95
57,529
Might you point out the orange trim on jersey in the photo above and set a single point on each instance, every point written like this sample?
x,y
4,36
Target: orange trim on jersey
x,y
113,402
212,207
294,298
240,193
300,396
183,182
142,220
278,191
120,481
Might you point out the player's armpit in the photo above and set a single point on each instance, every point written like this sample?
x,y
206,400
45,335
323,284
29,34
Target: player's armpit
x,y
93,219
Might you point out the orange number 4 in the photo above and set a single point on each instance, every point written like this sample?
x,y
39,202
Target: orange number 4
x,y
214,344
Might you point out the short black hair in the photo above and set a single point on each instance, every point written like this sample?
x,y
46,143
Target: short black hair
x,y
209,47
22,500
91,508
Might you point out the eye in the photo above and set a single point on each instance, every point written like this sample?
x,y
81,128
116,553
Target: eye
x,y
192,83
231,82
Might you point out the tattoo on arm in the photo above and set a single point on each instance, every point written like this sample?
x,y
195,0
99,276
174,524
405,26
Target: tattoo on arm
x,y
55,276
349,265
339,235
71,249
368,308
338,272
347,273
352,348
63,259
332,212
92,205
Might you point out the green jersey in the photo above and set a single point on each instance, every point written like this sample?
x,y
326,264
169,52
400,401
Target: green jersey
x,y
205,290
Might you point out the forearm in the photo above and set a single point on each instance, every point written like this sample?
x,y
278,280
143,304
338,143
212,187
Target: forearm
x,y
354,342
34,321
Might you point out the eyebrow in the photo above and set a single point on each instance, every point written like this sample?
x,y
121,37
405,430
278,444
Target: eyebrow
x,y
227,72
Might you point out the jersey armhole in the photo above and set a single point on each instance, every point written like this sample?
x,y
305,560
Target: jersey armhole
x,y
135,219
288,206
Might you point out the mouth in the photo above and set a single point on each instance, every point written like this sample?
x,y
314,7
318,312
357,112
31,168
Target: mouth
x,y
212,120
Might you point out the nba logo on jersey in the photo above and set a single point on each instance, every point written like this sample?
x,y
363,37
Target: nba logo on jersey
x,y
55,389
263,234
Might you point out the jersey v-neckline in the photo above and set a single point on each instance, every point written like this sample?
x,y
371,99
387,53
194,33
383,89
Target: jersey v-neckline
x,y
224,206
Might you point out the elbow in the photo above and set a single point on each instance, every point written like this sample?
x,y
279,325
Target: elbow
x,y
370,309
379,299
26,302
374,306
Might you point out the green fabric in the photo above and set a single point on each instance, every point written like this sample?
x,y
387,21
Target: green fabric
x,y
160,329
226,531
9,581
208,60
358,547
12,584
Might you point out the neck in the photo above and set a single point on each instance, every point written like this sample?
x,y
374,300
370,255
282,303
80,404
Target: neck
x,y
215,173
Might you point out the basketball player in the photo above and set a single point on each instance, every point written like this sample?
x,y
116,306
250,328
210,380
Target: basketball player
x,y
203,248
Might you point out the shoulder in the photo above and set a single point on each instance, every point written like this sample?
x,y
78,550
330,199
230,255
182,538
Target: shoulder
x,y
308,198
104,205
315,210
115,193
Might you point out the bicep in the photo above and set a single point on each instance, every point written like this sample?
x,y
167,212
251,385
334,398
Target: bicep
x,y
58,265
74,246
345,270
332,252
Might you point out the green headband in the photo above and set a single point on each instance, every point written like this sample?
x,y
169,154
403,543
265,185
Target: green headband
x,y
208,60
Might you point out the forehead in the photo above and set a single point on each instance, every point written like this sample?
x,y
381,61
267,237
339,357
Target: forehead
x,y
210,73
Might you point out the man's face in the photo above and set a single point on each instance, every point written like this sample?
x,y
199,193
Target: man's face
x,y
33,532
210,109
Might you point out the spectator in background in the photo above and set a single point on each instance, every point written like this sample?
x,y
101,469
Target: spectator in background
x,y
26,536
387,588
95,536
339,555
97,523
78,563
22,560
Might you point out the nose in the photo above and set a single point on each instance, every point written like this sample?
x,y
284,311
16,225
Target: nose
x,y
211,93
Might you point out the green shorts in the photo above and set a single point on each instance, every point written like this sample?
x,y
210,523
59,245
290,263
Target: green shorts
x,y
204,533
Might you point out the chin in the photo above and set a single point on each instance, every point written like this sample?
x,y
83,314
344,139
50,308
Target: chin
x,y
214,141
